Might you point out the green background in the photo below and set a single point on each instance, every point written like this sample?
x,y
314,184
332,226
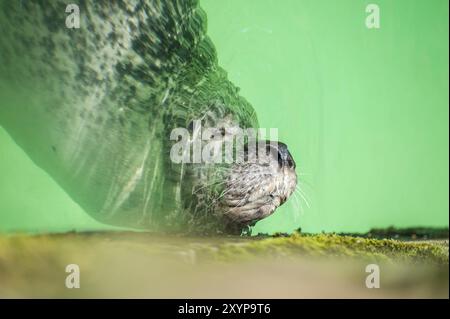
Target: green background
x,y
363,111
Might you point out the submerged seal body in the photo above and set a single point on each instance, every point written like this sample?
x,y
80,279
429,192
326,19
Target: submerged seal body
x,y
94,107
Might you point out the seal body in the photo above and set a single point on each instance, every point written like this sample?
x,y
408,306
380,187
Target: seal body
x,y
94,106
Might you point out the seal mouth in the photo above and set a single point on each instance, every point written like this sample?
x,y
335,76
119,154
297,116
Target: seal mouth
x,y
254,191
282,200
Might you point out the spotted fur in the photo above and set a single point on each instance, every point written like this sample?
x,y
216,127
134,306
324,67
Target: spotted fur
x,y
94,106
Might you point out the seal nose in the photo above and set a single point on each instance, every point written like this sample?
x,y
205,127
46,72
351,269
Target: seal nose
x,y
284,156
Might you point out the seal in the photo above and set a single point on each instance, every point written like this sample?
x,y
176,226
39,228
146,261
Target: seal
x,y
95,106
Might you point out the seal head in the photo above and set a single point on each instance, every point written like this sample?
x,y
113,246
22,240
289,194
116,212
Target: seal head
x,y
95,106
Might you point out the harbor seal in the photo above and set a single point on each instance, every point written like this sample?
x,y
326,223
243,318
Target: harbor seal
x,y
95,105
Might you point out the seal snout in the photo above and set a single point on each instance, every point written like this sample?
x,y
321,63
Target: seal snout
x,y
256,189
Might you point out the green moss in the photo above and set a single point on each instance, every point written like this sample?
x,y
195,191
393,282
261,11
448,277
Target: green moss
x,y
230,248
332,246
409,233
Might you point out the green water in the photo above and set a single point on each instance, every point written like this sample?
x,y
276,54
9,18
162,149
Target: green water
x,y
364,112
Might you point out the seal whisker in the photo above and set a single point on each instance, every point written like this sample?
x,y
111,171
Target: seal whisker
x,y
303,196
